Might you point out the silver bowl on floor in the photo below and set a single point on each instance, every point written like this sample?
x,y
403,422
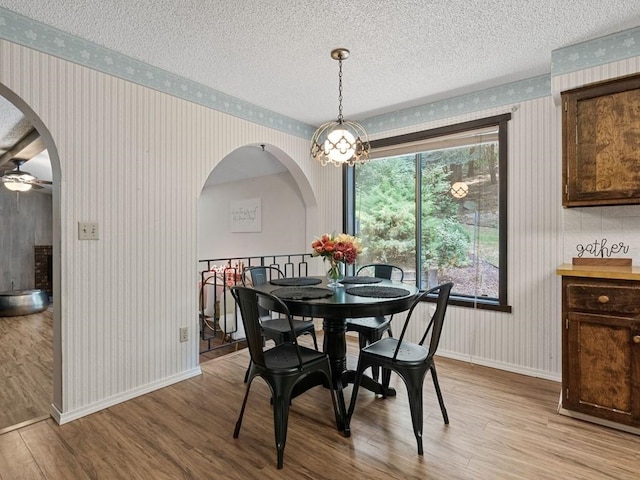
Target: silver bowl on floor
x,y
23,302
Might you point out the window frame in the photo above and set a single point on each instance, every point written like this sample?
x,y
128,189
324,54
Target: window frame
x,y
501,121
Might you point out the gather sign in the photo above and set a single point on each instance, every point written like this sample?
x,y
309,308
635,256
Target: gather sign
x,y
602,248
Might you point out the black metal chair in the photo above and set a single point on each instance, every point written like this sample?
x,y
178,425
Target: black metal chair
x,y
283,367
410,361
276,329
371,329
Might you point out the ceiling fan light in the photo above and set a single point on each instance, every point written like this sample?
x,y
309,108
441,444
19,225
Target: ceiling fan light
x,y
18,176
18,180
17,186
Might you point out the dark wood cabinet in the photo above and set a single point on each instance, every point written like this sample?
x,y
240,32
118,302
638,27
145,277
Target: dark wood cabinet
x,y
600,138
601,348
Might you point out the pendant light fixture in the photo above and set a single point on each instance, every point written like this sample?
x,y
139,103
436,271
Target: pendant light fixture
x,y
343,141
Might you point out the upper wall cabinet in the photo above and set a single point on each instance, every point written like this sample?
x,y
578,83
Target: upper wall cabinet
x,y
601,143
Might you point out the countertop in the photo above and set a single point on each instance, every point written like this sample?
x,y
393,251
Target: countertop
x,y
597,271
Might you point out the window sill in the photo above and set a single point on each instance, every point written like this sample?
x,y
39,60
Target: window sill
x,y
476,303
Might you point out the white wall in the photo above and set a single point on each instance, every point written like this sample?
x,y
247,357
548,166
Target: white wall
x,y
283,218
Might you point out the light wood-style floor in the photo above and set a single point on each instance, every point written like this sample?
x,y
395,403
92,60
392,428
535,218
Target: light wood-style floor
x,y
26,360
26,364
503,426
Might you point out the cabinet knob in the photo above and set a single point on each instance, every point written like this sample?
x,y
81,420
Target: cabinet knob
x,y
603,299
636,339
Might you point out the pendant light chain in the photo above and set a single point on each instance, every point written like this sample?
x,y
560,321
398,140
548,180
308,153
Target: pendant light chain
x,y
340,117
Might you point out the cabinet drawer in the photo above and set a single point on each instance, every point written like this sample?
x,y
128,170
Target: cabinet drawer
x,y
604,298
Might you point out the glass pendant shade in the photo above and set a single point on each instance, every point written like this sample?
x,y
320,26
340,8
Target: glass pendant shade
x,y
340,143
459,190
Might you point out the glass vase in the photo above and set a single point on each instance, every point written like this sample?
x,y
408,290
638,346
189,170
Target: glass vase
x,y
335,274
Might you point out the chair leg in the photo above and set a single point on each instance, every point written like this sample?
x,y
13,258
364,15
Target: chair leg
x,y
414,380
236,431
280,422
246,374
315,340
386,379
362,340
434,377
375,370
415,405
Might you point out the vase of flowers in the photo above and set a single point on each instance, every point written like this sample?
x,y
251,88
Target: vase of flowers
x,y
335,273
338,250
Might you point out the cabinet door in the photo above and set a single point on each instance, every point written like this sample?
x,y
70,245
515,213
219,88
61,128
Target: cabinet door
x,y
601,160
603,367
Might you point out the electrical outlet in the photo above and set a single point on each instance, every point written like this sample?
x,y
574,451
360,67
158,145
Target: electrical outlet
x,y
87,231
184,334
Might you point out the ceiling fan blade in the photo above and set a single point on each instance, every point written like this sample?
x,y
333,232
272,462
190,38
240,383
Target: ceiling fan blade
x,y
41,182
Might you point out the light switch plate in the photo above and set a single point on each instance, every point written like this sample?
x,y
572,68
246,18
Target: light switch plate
x,y
87,231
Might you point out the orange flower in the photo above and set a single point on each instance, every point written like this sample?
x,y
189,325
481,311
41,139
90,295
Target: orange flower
x,y
340,248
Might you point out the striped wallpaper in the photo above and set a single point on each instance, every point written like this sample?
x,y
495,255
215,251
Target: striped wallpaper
x,y
133,160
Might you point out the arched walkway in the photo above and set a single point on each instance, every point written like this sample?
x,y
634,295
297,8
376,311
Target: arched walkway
x,y
50,146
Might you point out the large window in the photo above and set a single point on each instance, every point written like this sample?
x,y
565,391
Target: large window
x,y
434,203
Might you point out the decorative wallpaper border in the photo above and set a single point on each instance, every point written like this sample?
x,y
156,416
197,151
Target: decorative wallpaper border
x,y
30,33
607,49
507,94
39,36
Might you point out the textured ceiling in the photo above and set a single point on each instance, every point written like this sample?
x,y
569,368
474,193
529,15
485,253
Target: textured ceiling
x,y
13,125
275,53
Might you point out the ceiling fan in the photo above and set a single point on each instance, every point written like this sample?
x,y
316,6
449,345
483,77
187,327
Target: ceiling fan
x,y
18,180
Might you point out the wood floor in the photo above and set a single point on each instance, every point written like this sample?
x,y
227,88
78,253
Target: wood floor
x,y
26,362
26,359
503,426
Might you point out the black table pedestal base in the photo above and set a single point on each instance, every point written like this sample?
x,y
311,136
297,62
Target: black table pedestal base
x,y
335,346
367,383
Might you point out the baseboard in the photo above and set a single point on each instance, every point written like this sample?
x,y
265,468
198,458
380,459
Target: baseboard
x,y
508,367
599,421
66,417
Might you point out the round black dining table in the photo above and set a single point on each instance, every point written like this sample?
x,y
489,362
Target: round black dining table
x,y
334,305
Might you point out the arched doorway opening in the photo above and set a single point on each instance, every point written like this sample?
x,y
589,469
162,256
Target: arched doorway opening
x,y
269,180
31,226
